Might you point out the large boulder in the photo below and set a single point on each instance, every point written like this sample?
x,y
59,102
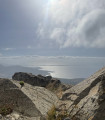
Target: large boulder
x,y
42,81
31,79
86,101
34,80
30,101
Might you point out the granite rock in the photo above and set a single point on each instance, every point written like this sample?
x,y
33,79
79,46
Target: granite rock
x,y
86,100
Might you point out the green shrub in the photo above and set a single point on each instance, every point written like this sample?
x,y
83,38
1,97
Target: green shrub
x,y
6,109
21,83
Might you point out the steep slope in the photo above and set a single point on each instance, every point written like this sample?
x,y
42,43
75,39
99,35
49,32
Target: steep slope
x,y
86,101
40,96
32,103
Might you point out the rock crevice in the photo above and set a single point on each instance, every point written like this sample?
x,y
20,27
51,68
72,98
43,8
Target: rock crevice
x,y
88,98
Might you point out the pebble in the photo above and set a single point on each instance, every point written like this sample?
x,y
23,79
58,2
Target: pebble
x,y
0,116
67,119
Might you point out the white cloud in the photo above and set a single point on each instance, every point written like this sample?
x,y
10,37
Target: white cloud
x,y
58,35
7,49
34,61
89,32
75,23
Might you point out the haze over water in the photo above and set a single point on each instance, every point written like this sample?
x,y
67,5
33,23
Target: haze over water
x,y
74,67
59,66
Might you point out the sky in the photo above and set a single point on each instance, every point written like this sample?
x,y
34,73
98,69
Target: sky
x,y
52,28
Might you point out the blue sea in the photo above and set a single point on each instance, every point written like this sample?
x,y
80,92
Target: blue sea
x,y
66,67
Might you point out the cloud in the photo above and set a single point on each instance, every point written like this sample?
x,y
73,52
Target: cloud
x,y
89,32
7,49
75,23
29,47
0,54
58,35
34,61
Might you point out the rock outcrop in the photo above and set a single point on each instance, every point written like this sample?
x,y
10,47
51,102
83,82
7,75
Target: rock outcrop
x,y
42,81
86,101
31,79
28,103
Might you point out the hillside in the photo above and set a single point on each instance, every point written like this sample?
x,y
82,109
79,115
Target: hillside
x,y
86,100
33,101
50,83
28,102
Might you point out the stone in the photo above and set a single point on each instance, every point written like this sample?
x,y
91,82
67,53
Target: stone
x,y
86,100
30,79
67,119
15,115
48,77
42,81
29,100
0,116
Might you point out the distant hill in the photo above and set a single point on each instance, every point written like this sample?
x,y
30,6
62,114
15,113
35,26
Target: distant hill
x,y
71,81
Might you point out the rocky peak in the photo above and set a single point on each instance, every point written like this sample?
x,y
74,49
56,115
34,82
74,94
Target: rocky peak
x,y
34,80
30,79
42,81
86,101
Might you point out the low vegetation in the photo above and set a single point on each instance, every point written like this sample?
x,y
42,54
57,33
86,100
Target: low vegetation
x,y
6,109
53,114
21,83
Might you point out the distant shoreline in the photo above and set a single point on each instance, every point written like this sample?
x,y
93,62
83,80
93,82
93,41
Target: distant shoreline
x,y
8,71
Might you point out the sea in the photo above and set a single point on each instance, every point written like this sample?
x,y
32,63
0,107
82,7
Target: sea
x,y
64,67
72,67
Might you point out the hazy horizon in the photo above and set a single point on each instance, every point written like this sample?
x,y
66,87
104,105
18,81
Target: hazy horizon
x,y
68,67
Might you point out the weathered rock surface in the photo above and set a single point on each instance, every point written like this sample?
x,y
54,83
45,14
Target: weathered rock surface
x,y
31,79
30,102
40,96
86,101
39,80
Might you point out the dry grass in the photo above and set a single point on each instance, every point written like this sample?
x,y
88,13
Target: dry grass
x,y
6,109
56,115
51,115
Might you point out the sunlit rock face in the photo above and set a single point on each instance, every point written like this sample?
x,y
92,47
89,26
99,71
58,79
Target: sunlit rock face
x,y
86,101
28,102
11,95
